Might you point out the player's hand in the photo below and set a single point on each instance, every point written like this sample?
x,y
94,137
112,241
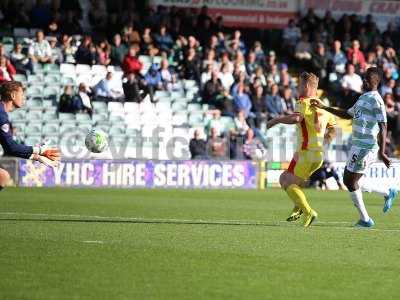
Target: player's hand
x,y
317,103
383,157
44,160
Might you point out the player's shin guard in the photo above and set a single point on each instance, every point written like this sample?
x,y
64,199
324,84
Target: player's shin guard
x,y
299,198
358,201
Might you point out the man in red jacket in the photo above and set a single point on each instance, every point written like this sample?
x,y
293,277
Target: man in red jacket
x,y
355,50
131,63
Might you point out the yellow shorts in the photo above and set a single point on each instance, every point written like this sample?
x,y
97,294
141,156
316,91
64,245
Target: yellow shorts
x,y
305,163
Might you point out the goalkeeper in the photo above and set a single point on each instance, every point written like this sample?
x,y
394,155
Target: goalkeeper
x,y
12,97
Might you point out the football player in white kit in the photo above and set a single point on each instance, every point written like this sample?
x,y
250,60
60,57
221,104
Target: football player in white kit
x,y
368,143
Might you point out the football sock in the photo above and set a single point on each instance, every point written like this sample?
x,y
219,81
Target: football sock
x,y
383,191
357,199
299,198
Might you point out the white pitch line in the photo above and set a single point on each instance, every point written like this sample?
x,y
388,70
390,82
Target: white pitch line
x,y
93,242
199,221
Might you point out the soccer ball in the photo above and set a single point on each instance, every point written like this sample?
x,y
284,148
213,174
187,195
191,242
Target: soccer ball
x,y
96,141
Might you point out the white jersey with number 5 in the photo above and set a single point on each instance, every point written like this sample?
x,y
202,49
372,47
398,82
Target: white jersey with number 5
x,y
368,111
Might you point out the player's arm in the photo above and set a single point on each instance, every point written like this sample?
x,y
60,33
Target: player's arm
x,y
289,119
341,113
382,144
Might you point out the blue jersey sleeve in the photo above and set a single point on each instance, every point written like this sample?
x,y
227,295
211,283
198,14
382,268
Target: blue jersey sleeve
x,y
10,146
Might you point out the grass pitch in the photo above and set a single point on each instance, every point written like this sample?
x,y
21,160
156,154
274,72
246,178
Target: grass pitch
x,y
192,244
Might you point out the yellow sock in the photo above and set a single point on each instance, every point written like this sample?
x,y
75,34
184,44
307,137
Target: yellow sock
x,y
299,198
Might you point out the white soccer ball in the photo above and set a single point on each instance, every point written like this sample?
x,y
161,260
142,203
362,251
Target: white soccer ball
x,y
96,141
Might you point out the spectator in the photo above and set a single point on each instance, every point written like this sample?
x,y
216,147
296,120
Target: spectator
x,y
251,64
118,50
260,55
240,124
252,147
23,64
213,90
291,36
84,55
388,88
351,81
153,78
190,66
131,63
66,104
241,100
82,101
216,145
163,39
319,63
40,50
103,53
303,49
274,103
108,89
7,70
226,77
258,107
206,75
215,123
197,146
355,53
289,102
168,78
56,53
318,179
337,58
67,49
134,89
393,118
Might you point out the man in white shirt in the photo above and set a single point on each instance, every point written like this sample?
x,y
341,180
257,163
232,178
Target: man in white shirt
x,y
351,81
40,50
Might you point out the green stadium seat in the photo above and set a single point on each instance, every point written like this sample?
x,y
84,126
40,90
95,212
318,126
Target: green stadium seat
x,y
32,140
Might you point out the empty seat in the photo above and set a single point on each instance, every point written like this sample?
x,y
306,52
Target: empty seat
x,y
32,140
131,107
66,116
179,106
83,69
115,106
179,119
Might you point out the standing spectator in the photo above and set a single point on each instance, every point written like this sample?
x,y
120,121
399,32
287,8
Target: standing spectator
x,y
355,51
118,50
134,89
197,146
66,104
241,100
82,101
190,66
23,64
7,70
274,103
108,89
131,63
40,50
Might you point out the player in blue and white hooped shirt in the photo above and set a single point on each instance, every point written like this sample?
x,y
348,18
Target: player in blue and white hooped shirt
x,y
368,143
12,97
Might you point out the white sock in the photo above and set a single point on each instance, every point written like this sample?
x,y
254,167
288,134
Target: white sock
x,y
357,199
380,190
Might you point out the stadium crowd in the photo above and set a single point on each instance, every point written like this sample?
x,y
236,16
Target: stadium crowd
x,y
239,76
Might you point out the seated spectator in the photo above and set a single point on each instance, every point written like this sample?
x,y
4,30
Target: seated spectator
x,y
215,123
134,89
319,63
23,64
190,66
66,104
258,106
303,49
108,89
251,63
213,90
337,58
82,101
103,53
131,63
153,78
163,39
197,146
216,145
393,118
226,77
168,78
40,50
67,49
240,124
355,51
84,55
241,100
388,87
259,75
252,147
7,70
210,61
291,36
351,85
274,103
273,74
260,55
289,102
56,53
206,74
118,50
